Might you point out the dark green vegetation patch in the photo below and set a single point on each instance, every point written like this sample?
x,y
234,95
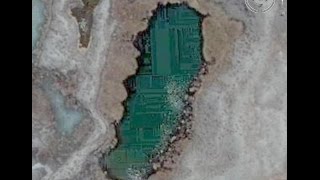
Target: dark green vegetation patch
x,y
170,58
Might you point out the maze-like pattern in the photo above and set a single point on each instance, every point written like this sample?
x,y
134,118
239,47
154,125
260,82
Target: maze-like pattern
x,y
171,57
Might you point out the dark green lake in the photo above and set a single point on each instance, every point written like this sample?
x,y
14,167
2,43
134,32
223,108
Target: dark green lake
x,y
171,56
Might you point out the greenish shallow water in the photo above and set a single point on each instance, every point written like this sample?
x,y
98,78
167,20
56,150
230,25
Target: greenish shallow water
x,y
170,58
66,118
38,19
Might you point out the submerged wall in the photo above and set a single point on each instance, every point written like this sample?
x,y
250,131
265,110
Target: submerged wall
x,y
170,59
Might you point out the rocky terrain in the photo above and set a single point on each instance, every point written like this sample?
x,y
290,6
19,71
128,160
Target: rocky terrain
x,y
239,129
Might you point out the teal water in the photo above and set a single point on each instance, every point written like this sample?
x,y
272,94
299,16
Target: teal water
x,y
170,59
38,19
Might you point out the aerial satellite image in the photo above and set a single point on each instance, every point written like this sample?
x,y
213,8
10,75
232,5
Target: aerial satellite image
x,y
159,89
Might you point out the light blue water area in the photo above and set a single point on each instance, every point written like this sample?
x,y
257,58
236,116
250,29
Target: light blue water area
x,y
66,118
37,19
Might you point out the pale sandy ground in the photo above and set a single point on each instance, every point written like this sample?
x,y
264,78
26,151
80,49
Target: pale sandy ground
x,y
240,112
240,129
59,52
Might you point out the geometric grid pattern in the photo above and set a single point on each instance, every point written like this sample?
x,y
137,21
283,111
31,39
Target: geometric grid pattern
x,y
170,58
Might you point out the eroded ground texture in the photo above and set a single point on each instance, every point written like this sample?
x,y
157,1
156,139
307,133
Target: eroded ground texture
x,y
239,129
